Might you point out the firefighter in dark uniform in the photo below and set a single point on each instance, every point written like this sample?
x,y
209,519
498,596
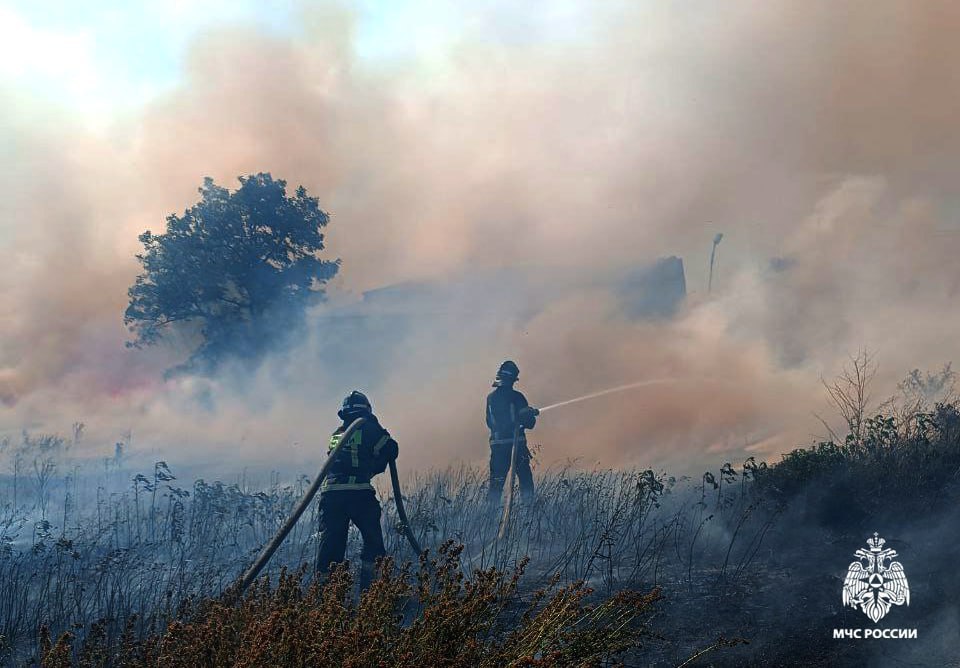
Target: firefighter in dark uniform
x,y
347,495
507,412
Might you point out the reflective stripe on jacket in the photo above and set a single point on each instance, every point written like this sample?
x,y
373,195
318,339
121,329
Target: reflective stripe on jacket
x,y
366,454
521,438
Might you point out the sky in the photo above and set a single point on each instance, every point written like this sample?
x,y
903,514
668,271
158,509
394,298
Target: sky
x,y
450,139
102,59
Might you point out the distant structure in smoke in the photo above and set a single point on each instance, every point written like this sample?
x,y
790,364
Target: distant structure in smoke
x,y
656,291
778,265
468,310
651,291
364,337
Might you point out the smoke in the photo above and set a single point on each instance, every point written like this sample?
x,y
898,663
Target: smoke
x,y
818,139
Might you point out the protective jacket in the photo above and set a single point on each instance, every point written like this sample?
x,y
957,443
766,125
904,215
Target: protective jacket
x,y
505,412
369,452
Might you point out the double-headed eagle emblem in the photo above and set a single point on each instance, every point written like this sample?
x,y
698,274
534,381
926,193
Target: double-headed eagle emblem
x,y
875,582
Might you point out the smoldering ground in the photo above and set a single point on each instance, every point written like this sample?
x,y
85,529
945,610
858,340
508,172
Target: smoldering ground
x,y
818,139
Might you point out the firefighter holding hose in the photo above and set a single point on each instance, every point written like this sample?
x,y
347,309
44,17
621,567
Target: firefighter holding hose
x,y
347,495
508,416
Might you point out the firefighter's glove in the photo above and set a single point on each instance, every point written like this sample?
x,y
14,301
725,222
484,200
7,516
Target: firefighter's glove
x,y
528,417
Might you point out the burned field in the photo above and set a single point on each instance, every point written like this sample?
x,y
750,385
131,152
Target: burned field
x,y
739,566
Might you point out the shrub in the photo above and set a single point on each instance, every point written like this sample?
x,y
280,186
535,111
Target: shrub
x,y
436,616
911,458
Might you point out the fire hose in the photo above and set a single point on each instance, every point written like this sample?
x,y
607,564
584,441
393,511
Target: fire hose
x,y
507,505
401,512
267,552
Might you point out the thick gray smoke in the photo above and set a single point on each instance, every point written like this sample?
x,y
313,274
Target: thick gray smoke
x,y
818,138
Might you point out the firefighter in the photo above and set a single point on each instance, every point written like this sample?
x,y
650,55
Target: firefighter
x,y
508,412
347,495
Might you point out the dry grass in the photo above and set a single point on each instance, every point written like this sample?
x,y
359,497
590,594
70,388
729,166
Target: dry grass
x,y
434,617
144,553
121,566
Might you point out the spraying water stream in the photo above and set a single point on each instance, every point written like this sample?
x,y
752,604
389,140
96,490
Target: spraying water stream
x,y
592,395
622,388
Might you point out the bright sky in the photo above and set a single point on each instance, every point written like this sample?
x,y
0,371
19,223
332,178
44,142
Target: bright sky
x,y
104,56
101,57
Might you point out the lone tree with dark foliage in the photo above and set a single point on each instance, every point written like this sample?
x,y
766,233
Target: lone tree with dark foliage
x,y
234,273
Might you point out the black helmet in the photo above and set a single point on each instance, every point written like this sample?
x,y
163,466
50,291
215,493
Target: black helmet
x,y
354,405
507,374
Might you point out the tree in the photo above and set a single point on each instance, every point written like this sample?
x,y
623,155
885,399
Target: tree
x,y
236,271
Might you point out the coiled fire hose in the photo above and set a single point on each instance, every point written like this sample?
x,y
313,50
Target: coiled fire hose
x,y
267,552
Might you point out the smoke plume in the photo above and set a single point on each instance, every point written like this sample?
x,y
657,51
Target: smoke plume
x,y
818,138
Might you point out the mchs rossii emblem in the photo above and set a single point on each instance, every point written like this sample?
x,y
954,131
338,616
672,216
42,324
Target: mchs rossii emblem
x,y
875,582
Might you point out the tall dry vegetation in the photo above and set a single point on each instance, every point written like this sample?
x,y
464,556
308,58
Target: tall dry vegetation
x,y
132,573
435,617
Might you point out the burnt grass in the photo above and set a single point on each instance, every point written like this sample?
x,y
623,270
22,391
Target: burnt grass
x,y
742,566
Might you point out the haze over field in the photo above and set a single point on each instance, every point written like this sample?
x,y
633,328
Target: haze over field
x,y
819,138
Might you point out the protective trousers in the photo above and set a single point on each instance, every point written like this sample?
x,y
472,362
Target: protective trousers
x,y
500,467
337,510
